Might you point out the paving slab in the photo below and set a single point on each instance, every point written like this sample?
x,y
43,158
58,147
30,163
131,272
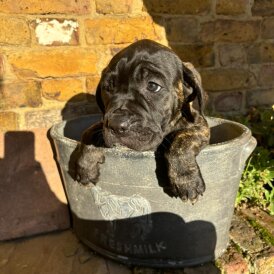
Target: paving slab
x,y
243,234
54,253
63,253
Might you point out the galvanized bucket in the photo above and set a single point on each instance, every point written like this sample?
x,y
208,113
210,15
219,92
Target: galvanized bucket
x,y
129,215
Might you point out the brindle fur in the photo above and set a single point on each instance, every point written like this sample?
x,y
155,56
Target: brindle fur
x,y
151,119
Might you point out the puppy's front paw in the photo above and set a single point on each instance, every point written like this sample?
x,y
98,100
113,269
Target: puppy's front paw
x,y
86,175
188,187
87,168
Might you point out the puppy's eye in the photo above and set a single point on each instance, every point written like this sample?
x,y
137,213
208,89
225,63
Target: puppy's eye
x,y
151,86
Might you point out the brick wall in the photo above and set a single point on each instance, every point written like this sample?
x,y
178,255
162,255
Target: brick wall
x,y
52,54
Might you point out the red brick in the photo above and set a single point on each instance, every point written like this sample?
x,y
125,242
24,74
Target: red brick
x,y
127,30
64,89
116,7
230,31
198,55
232,55
181,29
74,110
178,6
233,262
264,263
254,53
104,57
267,52
46,118
260,216
263,7
8,121
267,28
14,31
32,198
92,83
115,49
42,118
260,53
228,101
227,79
46,6
55,62
20,94
266,73
260,97
232,7
243,234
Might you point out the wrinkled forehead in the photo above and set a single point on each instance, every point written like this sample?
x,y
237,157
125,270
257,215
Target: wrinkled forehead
x,y
159,61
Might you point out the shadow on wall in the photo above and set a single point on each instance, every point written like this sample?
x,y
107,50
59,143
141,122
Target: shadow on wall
x,y
181,35
179,31
74,110
27,205
78,105
157,10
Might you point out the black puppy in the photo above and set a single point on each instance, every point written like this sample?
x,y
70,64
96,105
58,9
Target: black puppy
x,y
145,94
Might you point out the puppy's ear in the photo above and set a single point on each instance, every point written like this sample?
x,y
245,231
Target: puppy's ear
x,y
99,98
192,86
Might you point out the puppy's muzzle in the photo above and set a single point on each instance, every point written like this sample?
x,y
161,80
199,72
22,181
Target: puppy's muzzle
x,y
122,127
119,122
118,126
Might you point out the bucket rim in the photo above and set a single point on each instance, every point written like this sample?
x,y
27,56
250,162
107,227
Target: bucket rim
x,y
242,139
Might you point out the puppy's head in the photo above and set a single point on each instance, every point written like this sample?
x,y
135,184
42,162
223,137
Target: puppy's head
x,y
143,93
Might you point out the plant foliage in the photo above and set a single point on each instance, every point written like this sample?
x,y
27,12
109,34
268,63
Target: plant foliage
x,y
256,186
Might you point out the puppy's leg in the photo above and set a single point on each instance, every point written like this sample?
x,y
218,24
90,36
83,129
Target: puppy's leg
x,y
89,155
184,172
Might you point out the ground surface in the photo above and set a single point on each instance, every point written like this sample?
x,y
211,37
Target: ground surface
x,y
250,251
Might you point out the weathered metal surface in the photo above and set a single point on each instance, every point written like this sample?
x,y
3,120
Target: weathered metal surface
x,y
129,215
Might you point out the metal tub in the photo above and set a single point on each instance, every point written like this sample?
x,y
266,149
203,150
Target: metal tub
x,y
129,215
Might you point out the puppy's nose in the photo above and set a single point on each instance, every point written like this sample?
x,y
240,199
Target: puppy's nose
x,y
119,125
